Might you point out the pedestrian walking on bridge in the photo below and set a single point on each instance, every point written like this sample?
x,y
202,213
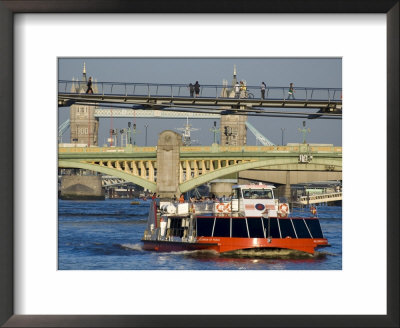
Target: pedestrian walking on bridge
x,y
191,90
237,90
197,88
263,87
89,85
291,92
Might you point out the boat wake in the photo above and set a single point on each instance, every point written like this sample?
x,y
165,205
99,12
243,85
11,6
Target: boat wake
x,y
206,253
271,254
132,247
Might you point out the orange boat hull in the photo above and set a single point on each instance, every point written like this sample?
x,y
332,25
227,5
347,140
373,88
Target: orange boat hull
x,y
232,244
227,244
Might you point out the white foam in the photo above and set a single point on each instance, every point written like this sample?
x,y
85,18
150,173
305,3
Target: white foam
x,y
136,247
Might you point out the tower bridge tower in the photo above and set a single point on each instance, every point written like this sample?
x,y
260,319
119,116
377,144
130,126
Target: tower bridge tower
x,y
84,126
233,127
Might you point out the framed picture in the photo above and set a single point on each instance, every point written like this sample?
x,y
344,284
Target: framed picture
x,y
19,288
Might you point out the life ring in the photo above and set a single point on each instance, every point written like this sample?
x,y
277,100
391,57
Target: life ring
x,y
221,207
283,209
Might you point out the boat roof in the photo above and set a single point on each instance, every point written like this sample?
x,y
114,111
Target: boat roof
x,y
253,186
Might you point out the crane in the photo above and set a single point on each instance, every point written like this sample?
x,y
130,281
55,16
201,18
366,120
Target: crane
x,y
259,136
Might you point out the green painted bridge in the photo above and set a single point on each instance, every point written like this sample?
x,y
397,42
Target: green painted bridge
x,y
200,164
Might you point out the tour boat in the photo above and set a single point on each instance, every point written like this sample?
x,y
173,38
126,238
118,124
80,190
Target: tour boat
x,y
252,219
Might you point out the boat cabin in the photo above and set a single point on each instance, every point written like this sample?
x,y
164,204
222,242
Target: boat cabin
x,y
254,200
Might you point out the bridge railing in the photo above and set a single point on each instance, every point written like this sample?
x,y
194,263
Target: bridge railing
x,y
221,149
202,149
206,91
106,149
326,196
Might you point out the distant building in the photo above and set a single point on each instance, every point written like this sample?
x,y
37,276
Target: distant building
x,y
233,130
84,126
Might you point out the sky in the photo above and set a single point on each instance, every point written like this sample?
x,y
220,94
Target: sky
x,y
277,72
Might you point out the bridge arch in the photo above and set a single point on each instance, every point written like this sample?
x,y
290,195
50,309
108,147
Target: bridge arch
x,y
271,162
110,171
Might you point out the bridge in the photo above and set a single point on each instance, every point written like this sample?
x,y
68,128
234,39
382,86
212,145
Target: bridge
x,y
232,104
320,198
179,169
213,99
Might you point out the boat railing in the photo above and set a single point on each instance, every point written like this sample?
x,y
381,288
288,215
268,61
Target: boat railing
x,y
203,207
152,218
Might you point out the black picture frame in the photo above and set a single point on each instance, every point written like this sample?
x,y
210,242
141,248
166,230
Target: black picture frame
x,y
7,11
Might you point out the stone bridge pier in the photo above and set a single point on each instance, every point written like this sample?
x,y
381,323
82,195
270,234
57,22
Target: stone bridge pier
x,y
168,146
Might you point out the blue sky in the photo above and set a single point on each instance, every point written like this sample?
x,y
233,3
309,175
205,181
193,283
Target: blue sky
x,y
303,72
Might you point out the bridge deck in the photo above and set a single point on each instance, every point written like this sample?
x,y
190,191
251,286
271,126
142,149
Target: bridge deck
x,y
215,104
199,151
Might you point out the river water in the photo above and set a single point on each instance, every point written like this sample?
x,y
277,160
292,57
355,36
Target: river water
x,y
105,235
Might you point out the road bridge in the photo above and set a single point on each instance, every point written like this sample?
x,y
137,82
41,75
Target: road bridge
x,y
196,165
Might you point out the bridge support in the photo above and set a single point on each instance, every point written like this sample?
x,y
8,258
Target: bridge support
x,y
220,189
284,191
233,130
76,187
169,143
84,126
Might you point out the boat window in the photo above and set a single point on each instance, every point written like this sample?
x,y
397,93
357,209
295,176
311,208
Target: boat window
x,y
236,193
176,227
204,226
315,228
239,228
255,227
287,228
257,194
222,227
273,227
301,229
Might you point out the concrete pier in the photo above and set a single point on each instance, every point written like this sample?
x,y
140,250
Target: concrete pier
x,y
169,143
77,187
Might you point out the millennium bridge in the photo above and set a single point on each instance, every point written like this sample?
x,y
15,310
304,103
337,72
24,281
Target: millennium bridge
x,y
212,99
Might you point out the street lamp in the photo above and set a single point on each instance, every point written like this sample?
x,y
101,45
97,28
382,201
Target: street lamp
x,y
215,130
122,132
129,139
134,134
146,126
283,131
304,131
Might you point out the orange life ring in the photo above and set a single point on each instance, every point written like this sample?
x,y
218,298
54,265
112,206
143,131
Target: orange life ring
x,y
283,209
220,207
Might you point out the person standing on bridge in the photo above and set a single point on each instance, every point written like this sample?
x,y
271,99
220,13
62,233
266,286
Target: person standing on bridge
x,y
191,89
242,90
237,90
197,88
89,86
291,92
263,87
